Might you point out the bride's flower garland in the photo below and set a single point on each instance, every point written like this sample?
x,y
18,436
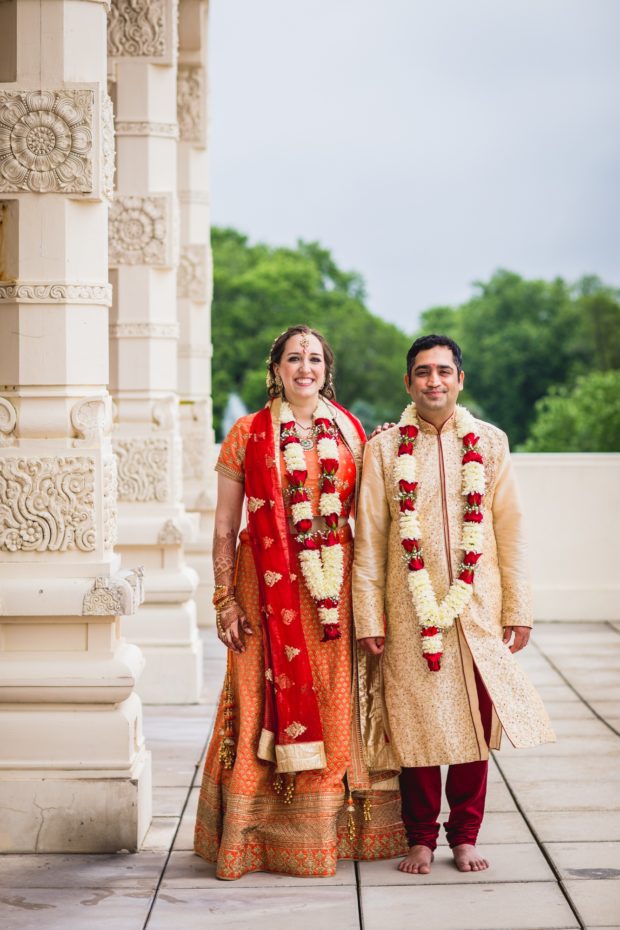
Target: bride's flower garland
x,y
434,617
320,555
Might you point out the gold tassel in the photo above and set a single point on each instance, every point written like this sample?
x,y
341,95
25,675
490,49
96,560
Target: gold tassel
x,y
227,752
351,828
289,790
367,810
286,790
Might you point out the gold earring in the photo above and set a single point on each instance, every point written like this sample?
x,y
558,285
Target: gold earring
x,y
278,382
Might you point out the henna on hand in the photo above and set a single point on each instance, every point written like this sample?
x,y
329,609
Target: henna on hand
x,y
224,557
233,622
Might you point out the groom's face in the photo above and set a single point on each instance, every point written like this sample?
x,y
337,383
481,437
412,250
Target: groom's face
x,y
434,383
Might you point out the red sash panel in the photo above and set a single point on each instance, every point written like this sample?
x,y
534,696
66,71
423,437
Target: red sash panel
x,y
291,708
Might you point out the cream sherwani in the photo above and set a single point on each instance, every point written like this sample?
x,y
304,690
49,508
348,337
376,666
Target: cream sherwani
x,y
411,716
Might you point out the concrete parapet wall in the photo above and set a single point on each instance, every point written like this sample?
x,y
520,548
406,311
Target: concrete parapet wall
x,y
572,504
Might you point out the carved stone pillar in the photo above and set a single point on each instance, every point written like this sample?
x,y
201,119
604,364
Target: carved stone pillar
x,y
74,772
144,332
194,291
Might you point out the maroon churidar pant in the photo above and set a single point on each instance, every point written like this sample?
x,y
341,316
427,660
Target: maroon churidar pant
x,y
466,787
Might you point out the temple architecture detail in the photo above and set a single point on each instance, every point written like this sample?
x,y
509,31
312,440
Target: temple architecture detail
x,y
106,439
144,254
194,292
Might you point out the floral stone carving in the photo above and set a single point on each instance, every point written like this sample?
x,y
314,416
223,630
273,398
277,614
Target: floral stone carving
x,y
105,599
110,512
195,455
40,293
46,141
8,421
190,103
91,418
137,28
142,469
107,146
170,534
139,231
192,274
47,504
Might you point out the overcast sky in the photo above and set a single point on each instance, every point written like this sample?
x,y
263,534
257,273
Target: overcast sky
x,y
425,142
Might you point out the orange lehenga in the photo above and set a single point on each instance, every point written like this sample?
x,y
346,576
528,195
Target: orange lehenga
x,y
243,825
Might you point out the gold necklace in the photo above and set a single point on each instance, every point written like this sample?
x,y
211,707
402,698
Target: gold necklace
x,y
307,442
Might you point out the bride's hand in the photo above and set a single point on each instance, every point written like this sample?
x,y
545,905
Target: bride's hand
x,y
233,622
381,428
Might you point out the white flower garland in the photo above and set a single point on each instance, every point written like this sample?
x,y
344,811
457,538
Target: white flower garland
x,y
322,565
433,617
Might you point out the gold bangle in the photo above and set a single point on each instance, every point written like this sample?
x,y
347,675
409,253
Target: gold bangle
x,y
220,593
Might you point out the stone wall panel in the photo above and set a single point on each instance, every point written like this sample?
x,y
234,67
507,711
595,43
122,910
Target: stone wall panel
x,y
46,141
47,504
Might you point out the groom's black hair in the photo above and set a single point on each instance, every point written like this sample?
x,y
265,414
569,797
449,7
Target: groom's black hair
x,y
429,342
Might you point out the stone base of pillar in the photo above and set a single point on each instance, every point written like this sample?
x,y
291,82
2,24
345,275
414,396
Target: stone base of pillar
x,y
172,676
54,813
84,784
201,563
168,637
198,552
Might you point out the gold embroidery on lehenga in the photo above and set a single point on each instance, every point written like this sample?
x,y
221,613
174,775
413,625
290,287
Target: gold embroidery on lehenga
x,y
295,729
291,652
272,578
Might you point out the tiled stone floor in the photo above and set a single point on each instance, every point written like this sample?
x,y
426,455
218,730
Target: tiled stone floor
x,y
552,833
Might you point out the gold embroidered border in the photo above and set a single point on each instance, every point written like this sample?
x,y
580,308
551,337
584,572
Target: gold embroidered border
x,y
300,757
222,469
306,838
266,746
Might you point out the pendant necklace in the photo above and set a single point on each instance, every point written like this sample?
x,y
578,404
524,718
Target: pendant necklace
x,y
307,442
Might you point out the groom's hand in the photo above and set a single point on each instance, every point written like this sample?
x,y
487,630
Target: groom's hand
x,y
519,636
373,644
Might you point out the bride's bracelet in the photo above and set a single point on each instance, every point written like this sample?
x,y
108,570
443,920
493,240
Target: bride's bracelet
x,y
221,594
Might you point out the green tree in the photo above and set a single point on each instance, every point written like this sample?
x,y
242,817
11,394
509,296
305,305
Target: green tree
x,y
585,418
522,340
259,291
513,335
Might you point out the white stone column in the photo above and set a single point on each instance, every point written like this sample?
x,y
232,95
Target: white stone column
x,y
144,330
74,772
194,291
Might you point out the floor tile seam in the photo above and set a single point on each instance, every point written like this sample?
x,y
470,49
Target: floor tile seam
x,y
543,851
580,842
176,832
575,691
358,892
465,882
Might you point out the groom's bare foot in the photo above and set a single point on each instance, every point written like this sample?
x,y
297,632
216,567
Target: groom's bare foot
x,y
468,859
417,861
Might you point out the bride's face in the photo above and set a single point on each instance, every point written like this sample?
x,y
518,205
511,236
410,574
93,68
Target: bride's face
x,y
302,367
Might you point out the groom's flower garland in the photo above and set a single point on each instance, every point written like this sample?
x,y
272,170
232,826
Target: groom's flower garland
x,y
434,617
320,555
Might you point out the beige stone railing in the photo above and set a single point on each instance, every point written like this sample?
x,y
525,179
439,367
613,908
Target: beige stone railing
x,y
572,506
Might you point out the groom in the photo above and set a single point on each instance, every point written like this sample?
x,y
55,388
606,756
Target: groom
x,y
440,593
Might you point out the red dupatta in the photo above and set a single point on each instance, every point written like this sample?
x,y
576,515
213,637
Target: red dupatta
x,y
292,735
